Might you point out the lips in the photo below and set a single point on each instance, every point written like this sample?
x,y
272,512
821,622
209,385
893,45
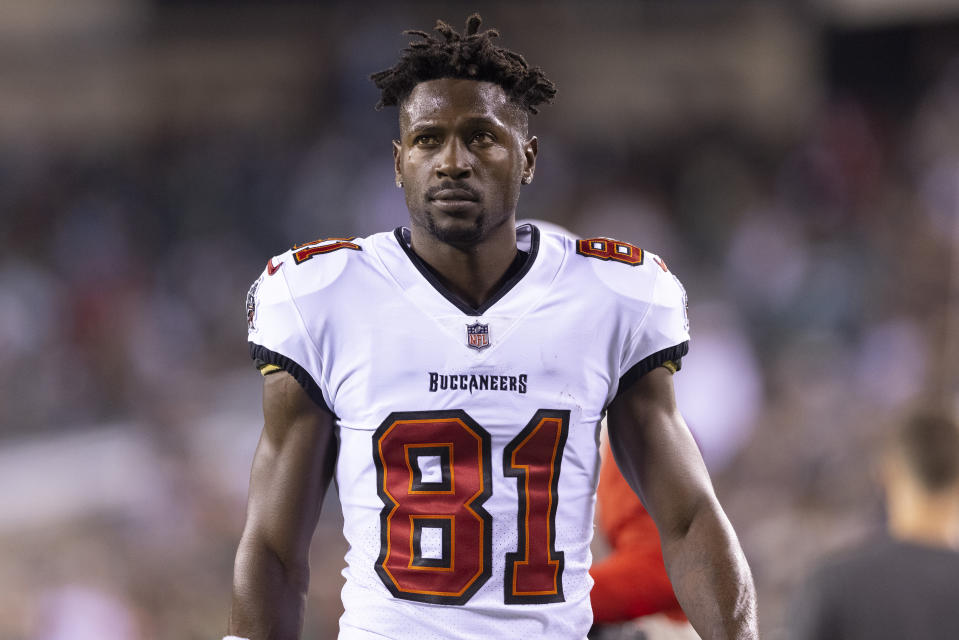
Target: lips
x,y
454,200
453,195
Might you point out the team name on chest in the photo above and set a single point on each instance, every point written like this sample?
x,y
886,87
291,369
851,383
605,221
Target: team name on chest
x,y
474,382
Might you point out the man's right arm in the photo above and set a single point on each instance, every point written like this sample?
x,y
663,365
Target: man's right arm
x,y
292,469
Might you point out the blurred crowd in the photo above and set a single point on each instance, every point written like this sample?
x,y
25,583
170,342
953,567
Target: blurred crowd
x,y
821,275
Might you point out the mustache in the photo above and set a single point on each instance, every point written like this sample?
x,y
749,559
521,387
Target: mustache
x,y
451,184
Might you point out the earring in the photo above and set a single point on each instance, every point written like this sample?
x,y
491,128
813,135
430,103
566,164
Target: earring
x,y
527,179
399,183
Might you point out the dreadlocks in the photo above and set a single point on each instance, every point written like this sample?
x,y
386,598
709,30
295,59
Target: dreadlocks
x,y
471,56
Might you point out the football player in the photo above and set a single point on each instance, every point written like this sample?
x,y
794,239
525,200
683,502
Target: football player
x,y
452,375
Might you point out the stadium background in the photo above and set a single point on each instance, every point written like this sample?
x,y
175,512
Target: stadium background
x,y
797,164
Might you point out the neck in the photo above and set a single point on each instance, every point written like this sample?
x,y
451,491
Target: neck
x,y
473,273
927,519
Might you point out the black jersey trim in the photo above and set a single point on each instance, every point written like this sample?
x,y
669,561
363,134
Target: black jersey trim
x,y
263,356
672,354
511,281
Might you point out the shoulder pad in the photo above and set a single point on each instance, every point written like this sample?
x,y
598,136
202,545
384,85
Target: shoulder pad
x,y
624,268
317,264
309,266
277,335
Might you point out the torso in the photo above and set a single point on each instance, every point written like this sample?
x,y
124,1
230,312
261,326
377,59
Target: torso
x,y
468,439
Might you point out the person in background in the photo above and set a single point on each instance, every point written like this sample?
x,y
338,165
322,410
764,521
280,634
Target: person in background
x,y
905,583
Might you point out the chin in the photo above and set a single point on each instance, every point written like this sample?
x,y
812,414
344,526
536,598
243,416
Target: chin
x,y
458,232
461,237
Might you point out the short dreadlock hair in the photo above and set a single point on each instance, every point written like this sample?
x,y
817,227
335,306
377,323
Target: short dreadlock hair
x,y
471,56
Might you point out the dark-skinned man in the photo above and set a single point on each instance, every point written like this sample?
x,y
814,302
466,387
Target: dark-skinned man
x,y
452,376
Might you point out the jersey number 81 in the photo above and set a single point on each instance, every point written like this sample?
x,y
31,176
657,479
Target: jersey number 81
x,y
447,507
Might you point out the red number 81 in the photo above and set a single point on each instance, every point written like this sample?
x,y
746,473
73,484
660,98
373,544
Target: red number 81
x,y
449,503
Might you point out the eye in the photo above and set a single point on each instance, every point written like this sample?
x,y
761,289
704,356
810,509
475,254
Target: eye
x,y
425,140
482,138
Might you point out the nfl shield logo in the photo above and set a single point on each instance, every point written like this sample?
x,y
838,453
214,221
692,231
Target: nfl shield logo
x,y
477,335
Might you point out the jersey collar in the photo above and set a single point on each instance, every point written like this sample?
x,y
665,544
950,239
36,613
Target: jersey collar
x,y
527,240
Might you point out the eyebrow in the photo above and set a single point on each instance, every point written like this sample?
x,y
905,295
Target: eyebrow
x,y
419,125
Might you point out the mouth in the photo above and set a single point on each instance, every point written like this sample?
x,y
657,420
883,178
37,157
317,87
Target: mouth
x,y
453,200
453,195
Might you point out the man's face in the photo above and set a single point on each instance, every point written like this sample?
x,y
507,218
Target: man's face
x,y
462,156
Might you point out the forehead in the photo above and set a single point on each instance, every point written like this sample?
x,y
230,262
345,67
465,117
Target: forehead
x,y
455,98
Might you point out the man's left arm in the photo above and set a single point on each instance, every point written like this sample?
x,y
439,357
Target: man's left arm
x,y
659,458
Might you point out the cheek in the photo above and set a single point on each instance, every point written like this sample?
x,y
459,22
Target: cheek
x,y
512,170
412,170
419,163
506,164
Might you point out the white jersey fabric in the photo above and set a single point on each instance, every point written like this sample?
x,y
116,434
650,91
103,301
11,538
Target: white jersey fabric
x,y
468,438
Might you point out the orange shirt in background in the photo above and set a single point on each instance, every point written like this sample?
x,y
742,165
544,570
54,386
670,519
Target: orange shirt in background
x,y
631,581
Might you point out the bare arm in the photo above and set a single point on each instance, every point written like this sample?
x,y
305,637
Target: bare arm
x,y
292,469
661,462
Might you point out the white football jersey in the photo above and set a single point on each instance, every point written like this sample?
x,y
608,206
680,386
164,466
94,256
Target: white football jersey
x,y
468,438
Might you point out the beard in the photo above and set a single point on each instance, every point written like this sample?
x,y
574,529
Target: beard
x,y
462,229
456,232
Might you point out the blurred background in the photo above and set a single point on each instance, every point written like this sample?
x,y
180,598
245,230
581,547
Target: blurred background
x,y
796,164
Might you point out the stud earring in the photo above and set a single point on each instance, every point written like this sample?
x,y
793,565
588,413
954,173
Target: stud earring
x,y
399,183
527,179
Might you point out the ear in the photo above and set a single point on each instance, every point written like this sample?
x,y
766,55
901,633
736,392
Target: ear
x,y
529,152
397,149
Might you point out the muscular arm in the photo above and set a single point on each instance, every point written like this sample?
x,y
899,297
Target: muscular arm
x,y
661,462
291,472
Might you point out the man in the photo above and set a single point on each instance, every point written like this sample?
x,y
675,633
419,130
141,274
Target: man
x,y
453,375
904,584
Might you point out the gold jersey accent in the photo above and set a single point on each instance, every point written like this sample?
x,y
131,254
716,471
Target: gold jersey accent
x,y
267,369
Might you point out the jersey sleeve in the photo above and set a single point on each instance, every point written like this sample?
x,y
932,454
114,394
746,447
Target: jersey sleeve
x,y
277,336
662,336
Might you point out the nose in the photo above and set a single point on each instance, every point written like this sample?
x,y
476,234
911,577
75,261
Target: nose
x,y
453,161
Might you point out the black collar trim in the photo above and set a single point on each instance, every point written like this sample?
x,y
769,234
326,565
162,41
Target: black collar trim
x,y
402,237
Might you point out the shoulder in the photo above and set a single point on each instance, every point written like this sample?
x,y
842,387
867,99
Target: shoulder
x,y
621,266
318,264
626,270
291,277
